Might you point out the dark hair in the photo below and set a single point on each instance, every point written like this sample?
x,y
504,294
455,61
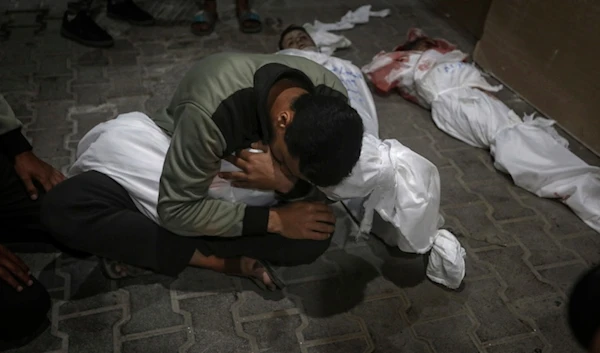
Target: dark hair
x,y
326,136
289,29
408,46
584,307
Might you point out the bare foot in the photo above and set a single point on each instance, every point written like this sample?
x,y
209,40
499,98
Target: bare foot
x,y
252,268
239,266
210,17
118,270
243,6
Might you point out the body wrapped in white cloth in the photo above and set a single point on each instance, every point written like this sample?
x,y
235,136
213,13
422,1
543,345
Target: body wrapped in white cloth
x,y
397,183
531,151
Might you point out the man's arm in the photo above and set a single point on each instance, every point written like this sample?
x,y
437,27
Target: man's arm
x,y
193,160
12,142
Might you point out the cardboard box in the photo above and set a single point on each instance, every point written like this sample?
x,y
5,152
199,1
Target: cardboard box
x,y
547,52
470,14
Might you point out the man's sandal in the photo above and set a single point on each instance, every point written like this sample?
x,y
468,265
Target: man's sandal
x,y
209,19
250,16
278,283
274,274
117,270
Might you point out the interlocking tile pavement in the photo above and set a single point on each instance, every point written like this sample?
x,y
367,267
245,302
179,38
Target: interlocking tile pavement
x,y
523,253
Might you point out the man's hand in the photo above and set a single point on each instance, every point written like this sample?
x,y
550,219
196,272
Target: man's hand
x,y
30,168
302,220
13,270
259,171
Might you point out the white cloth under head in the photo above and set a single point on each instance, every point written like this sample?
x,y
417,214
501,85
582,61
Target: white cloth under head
x,y
327,42
352,78
403,188
131,150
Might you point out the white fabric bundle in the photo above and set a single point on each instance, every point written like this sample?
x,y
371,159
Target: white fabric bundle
x,y
328,42
532,152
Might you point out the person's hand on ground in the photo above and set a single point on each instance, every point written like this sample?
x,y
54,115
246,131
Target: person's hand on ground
x,y
13,270
30,168
302,220
259,171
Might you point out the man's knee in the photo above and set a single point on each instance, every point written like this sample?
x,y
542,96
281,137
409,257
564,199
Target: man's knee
x,y
306,252
57,209
52,208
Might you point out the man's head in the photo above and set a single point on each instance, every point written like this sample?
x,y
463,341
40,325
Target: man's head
x,y
315,137
417,40
296,37
419,44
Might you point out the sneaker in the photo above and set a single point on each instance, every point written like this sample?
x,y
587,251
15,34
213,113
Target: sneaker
x,y
127,10
82,29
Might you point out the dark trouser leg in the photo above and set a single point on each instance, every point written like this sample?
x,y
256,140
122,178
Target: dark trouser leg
x,y
22,313
79,5
19,215
93,213
274,248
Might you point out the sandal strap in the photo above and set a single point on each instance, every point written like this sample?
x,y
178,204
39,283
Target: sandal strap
x,y
250,15
274,274
203,17
109,268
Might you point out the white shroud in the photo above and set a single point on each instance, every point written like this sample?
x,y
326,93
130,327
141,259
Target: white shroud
x,y
531,151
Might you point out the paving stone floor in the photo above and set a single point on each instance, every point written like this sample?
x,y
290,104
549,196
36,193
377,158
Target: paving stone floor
x,y
523,252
